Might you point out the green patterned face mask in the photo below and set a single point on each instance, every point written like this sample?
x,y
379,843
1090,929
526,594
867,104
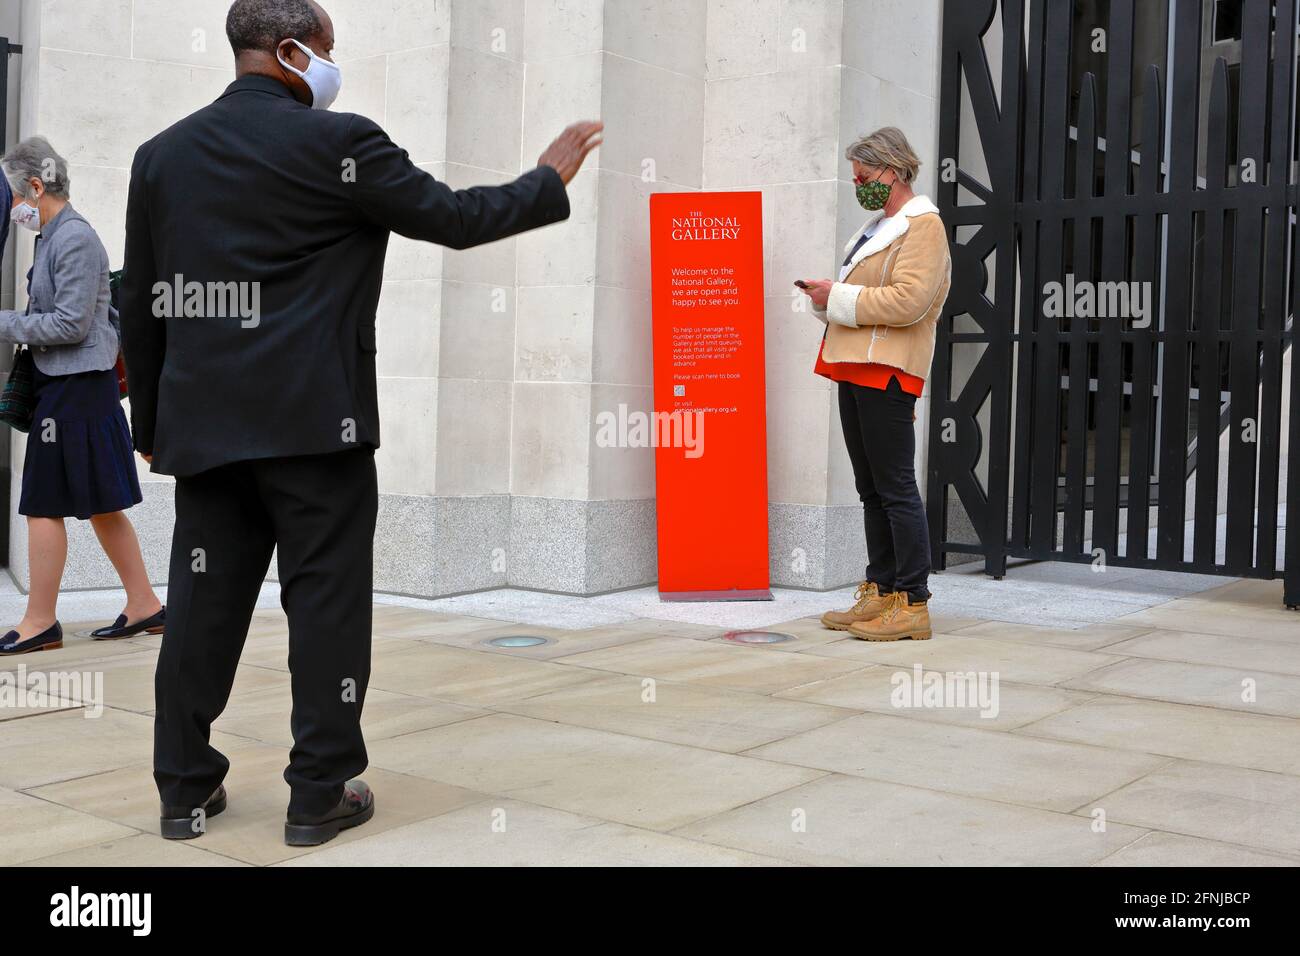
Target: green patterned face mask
x,y
873,195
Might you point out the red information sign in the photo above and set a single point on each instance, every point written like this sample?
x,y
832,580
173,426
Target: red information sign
x,y
706,264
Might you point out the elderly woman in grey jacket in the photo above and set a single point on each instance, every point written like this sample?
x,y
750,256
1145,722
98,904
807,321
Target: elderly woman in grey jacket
x,y
79,460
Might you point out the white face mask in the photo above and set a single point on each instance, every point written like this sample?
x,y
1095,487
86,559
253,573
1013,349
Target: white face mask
x,y
27,216
323,77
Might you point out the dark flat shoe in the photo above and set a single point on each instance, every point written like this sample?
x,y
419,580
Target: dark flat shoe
x,y
183,823
49,639
356,807
120,629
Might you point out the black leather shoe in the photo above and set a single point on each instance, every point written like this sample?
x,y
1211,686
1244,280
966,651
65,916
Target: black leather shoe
x,y
49,639
186,823
356,807
120,629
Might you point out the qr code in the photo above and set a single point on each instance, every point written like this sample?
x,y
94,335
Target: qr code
x,y
679,390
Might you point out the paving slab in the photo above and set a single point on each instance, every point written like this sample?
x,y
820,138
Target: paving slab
x,y
512,833
977,763
615,777
848,821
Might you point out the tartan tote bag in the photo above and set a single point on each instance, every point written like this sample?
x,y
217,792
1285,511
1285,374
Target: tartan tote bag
x,y
18,400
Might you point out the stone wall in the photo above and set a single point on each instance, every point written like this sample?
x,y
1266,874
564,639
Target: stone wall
x,y
494,363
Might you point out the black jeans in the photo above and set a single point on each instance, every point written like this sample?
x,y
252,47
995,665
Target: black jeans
x,y
320,511
878,431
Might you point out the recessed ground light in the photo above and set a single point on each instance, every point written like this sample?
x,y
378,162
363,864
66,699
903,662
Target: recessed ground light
x,y
511,641
758,637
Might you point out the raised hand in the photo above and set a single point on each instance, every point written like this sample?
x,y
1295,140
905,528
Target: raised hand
x,y
571,147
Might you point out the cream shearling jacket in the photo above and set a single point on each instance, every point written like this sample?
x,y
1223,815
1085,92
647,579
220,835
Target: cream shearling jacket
x,y
886,306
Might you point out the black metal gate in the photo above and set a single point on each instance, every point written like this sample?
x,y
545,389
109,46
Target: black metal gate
x,y
1120,190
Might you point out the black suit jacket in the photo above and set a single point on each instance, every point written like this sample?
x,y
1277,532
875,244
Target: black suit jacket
x,y
295,206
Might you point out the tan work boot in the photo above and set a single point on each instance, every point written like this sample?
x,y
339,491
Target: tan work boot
x,y
869,603
897,620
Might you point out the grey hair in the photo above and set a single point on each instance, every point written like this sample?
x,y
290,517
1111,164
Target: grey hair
x,y
35,158
261,24
886,148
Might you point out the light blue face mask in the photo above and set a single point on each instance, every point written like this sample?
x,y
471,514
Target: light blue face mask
x,y
323,77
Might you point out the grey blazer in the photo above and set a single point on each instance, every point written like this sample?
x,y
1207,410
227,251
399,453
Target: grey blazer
x,y
68,325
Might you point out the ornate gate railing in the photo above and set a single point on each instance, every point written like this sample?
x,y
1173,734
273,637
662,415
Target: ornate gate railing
x,y
1108,383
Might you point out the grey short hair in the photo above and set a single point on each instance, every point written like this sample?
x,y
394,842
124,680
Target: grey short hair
x,y
261,24
886,148
35,158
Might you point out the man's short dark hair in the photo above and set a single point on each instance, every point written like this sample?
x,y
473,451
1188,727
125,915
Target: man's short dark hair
x,y
261,24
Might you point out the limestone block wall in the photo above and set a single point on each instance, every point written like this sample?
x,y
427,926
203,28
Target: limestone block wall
x,y
496,363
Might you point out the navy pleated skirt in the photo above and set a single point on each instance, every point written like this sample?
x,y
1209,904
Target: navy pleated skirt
x,y
79,456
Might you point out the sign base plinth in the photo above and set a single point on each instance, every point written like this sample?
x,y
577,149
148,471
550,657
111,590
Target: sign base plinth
x,y
731,594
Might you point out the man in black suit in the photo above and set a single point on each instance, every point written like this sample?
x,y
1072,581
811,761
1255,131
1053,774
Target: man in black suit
x,y
256,234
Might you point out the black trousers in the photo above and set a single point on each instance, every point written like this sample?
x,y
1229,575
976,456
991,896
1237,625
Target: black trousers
x,y
320,511
878,431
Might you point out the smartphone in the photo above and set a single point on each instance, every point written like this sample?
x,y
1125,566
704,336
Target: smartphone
x,y
801,284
